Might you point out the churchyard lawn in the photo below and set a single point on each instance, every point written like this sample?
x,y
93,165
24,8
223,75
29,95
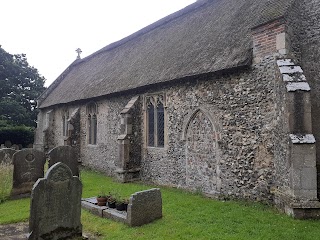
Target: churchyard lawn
x,y
185,216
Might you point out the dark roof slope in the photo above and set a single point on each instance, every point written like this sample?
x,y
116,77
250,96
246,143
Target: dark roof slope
x,y
207,36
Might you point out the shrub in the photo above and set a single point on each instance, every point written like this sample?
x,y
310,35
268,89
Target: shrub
x,y
17,135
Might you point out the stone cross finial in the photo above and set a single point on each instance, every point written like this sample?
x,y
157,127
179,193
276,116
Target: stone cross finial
x,y
78,50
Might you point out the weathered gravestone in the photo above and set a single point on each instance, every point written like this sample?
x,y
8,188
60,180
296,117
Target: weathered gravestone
x,y
56,205
144,207
15,147
28,167
8,144
66,155
6,155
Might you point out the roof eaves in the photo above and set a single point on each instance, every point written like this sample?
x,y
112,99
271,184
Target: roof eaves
x,y
56,82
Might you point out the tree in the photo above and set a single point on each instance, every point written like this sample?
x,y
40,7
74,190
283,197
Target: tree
x,y
20,86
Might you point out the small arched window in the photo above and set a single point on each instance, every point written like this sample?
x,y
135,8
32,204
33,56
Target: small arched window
x,y
92,122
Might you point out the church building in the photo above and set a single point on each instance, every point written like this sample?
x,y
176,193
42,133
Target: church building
x,y
221,97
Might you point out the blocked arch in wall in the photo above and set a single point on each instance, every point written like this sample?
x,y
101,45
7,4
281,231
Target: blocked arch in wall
x,y
202,161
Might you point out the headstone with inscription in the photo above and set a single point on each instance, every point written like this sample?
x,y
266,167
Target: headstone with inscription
x,y
66,155
56,205
6,155
28,167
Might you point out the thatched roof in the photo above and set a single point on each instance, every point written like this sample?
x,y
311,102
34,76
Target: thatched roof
x,y
205,37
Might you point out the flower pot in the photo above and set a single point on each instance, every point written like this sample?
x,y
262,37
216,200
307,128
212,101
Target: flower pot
x,y
120,206
101,201
112,204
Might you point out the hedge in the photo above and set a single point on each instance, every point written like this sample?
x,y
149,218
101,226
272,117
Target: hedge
x,y
17,135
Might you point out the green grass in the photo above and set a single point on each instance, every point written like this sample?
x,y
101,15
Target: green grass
x,y
185,216
6,172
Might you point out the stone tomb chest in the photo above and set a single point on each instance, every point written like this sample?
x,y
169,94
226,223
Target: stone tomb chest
x,y
144,207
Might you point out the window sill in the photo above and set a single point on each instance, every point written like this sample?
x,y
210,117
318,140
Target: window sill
x,y
156,148
92,145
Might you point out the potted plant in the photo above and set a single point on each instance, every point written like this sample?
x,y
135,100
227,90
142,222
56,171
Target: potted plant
x,y
102,198
111,200
122,204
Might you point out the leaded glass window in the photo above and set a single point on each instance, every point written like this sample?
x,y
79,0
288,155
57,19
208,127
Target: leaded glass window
x,y
151,125
65,127
155,121
92,123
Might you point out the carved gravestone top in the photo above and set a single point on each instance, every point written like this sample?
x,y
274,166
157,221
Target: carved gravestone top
x,y
56,205
144,207
66,155
28,167
6,155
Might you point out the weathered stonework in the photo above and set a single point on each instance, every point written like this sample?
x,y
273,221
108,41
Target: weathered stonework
x,y
6,155
28,167
55,209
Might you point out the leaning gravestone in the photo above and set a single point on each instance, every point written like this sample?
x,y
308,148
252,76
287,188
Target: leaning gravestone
x,y
66,155
28,166
6,155
56,205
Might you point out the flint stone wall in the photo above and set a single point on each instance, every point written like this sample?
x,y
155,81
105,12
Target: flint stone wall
x,y
28,168
243,110
55,209
226,134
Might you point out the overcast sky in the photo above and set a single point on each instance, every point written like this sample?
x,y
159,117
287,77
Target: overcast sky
x,y
49,31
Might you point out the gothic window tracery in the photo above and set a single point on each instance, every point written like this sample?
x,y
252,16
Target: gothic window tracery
x,y
92,122
65,126
155,112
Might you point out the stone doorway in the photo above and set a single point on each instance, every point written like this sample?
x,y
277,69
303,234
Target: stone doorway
x,y
201,159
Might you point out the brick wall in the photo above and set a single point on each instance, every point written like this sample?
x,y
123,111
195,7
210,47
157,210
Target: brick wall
x,y
268,39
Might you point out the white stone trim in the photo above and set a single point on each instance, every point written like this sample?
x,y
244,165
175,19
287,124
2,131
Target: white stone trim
x,y
295,86
302,138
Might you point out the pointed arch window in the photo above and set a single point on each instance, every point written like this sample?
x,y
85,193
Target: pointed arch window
x,y
65,126
155,121
92,123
